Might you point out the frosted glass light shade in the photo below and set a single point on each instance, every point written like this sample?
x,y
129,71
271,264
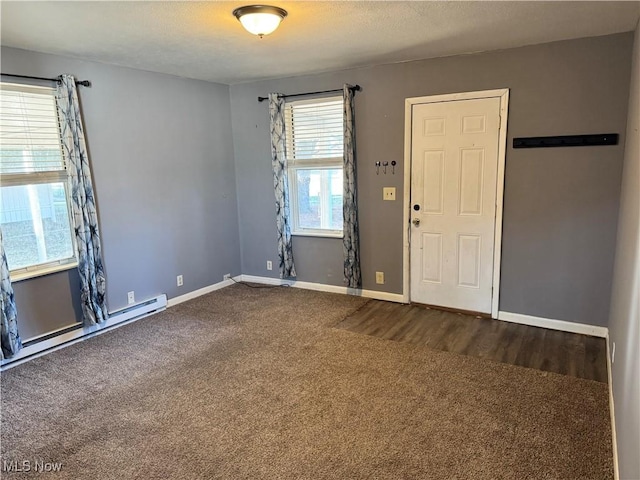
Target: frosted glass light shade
x,y
260,23
260,19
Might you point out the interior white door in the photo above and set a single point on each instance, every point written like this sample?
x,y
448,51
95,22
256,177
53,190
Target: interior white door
x,y
454,169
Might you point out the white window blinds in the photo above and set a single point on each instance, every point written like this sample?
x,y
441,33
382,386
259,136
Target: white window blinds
x,y
29,132
314,129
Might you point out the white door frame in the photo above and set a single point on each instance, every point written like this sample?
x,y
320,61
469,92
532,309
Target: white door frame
x,y
503,94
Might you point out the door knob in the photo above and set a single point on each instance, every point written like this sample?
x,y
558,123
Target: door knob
x,y
416,221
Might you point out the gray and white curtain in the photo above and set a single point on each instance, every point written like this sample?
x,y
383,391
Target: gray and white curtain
x,y
83,206
9,337
279,164
351,239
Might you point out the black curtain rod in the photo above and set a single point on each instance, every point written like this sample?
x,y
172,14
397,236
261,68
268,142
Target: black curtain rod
x,y
356,88
84,83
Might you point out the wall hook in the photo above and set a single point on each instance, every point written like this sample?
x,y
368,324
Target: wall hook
x,y
377,168
384,164
393,166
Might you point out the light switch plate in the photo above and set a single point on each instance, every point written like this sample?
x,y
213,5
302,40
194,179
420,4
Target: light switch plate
x,y
389,193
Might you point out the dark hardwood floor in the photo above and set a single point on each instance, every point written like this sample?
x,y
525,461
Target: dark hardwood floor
x,y
571,354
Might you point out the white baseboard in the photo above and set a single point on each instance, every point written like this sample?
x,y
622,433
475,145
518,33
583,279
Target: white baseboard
x,y
614,439
321,287
202,291
563,325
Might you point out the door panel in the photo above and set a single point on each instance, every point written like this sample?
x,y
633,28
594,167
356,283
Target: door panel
x,y
454,167
432,257
469,261
433,182
471,175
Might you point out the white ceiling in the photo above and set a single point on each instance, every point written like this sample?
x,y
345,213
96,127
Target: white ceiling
x,y
203,40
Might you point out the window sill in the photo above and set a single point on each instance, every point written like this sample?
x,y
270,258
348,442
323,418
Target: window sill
x,y
318,234
26,275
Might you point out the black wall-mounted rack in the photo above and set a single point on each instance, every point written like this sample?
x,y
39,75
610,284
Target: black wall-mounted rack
x,y
566,141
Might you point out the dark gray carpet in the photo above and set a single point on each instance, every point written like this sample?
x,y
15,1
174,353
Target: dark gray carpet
x,y
255,384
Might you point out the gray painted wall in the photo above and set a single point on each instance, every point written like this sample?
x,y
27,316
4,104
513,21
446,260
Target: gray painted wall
x,y
48,303
624,323
560,206
162,157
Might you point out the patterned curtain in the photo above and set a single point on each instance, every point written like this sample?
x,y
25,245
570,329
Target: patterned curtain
x,y
9,337
279,164
351,239
92,281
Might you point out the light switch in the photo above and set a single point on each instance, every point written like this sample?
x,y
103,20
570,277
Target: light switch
x,y
389,193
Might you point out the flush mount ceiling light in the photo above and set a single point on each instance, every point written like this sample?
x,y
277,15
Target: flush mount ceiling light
x,y
260,19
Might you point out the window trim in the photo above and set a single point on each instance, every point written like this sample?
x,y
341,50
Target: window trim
x,y
330,163
40,178
42,269
36,178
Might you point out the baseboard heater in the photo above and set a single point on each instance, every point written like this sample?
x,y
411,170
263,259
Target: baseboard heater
x,y
153,305
48,343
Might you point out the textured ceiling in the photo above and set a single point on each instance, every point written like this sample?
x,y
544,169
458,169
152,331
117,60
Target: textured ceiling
x,y
203,40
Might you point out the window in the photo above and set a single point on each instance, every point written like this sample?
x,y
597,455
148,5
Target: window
x,y
34,196
314,130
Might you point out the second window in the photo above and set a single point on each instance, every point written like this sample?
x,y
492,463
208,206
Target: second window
x,y
314,131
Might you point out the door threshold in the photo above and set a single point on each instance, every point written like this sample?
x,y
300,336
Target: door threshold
x,y
452,310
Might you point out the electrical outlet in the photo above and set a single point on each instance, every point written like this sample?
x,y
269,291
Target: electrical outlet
x,y
269,265
226,276
389,193
380,278
179,280
131,298
613,353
